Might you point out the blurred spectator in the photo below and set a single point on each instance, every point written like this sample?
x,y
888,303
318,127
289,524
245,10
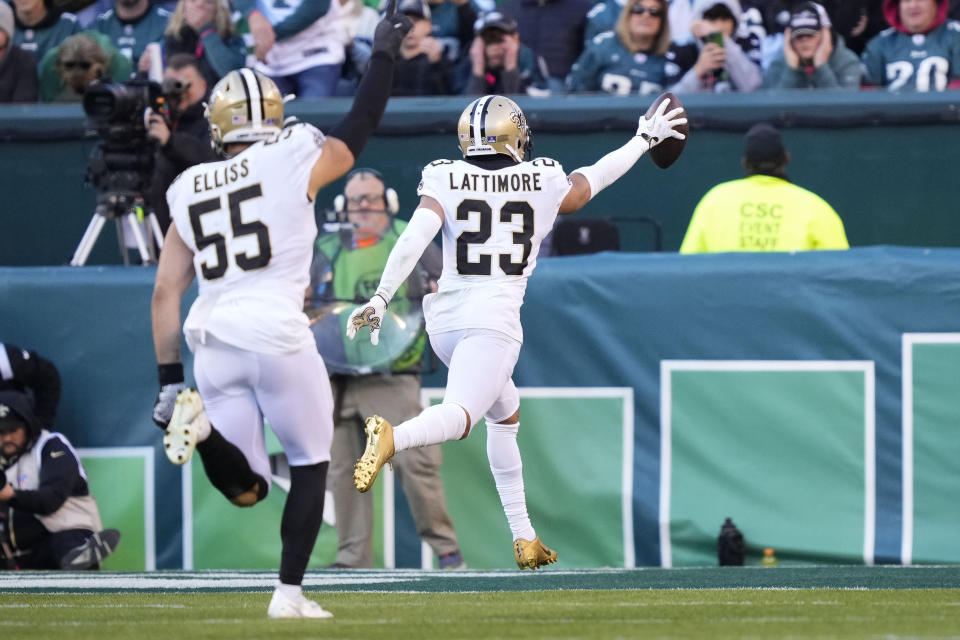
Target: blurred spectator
x,y
131,25
184,140
631,59
554,29
203,29
920,53
813,57
40,28
345,267
499,62
18,69
604,15
48,517
857,21
726,61
453,22
300,44
67,70
764,211
420,69
30,373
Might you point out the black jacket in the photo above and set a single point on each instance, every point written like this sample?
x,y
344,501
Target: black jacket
x,y
189,144
18,76
552,28
27,372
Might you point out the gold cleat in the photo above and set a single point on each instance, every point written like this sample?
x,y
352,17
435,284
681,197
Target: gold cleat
x,y
379,450
533,554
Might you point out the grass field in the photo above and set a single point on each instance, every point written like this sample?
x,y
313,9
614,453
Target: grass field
x,y
810,602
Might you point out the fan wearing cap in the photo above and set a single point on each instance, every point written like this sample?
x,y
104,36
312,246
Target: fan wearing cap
x,y
18,69
814,57
764,211
51,519
499,63
421,68
921,52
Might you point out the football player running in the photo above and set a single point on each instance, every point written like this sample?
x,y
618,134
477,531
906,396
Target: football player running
x,y
494,208
245,227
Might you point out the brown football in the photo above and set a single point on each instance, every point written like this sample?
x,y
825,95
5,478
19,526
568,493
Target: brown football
x,y
667,152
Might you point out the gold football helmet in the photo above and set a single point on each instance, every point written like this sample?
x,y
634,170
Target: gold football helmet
x,y
245,106
492,125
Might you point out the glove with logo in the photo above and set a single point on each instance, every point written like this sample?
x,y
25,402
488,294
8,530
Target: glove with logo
x,y
171,384
368,315
391,30
662,124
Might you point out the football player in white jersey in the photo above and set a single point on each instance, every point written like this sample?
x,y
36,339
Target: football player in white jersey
x,y
494,208
245,228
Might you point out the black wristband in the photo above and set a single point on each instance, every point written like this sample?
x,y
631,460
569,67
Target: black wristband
x,y
369,101
170,373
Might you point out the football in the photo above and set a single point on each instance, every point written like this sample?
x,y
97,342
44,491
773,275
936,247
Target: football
x,y
667,152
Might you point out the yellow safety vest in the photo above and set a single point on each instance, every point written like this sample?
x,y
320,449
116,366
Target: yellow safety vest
x,y
762,213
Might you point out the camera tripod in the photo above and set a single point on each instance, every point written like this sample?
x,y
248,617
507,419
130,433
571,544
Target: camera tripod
x,y
121,208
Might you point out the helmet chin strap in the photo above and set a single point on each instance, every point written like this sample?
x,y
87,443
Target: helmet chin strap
x,y
513,152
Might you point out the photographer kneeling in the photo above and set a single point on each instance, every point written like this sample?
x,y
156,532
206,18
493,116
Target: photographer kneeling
x,y
48,519
185,140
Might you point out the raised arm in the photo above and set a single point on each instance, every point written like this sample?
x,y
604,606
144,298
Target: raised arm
x,y
589,181
348,138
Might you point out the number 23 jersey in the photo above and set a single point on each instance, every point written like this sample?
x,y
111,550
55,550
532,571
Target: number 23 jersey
x,y
251,227
493,224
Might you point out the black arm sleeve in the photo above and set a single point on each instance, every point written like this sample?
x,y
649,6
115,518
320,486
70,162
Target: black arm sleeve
x,y
59,477
368,104
29,371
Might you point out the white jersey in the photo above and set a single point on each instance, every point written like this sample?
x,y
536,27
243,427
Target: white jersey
x,y
323,42
493,224
251,227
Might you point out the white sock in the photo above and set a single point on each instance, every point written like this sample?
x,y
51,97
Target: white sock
x,y
292,591
434,425
507,467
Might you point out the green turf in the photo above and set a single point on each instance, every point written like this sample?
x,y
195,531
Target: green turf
x,y
691,613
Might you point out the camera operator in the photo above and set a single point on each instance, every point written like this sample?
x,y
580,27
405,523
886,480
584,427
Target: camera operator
x,y
185,140
48,518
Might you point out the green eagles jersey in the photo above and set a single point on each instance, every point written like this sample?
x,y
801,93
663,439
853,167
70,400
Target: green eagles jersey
x,y
132,38
346,276
39,41
602,17
918,62
606,65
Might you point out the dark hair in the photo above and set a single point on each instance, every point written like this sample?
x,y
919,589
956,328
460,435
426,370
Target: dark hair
x,y
719,11
360,171
180,61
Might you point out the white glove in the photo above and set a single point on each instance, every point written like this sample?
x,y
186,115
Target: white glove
x,y
368,315
166,399
659,127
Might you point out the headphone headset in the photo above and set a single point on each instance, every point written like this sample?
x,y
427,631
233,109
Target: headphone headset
x,y
390,196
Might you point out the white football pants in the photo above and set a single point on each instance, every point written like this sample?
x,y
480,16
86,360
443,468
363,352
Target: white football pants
x,y
480,363
240,388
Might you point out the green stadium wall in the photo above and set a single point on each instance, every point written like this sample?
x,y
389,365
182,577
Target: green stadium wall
x,y
810,397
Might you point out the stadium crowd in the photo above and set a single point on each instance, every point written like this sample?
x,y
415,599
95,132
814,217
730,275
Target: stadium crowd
x,y
549,47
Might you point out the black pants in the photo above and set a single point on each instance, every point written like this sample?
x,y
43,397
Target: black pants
x,y
47,552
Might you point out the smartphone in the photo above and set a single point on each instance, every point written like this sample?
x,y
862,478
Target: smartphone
x,y
716,37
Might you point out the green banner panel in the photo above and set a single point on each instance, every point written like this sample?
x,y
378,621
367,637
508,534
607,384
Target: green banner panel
x,y
118,485
781,452
936,452
228,537
572,444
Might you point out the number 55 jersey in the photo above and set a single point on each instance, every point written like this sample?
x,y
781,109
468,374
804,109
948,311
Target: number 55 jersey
x,y
493,224
251,228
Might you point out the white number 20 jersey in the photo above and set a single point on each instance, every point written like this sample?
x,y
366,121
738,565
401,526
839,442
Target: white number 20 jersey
x,y
493,224
251,228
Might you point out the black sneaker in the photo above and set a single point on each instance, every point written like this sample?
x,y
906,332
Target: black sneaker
x,y
91,553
